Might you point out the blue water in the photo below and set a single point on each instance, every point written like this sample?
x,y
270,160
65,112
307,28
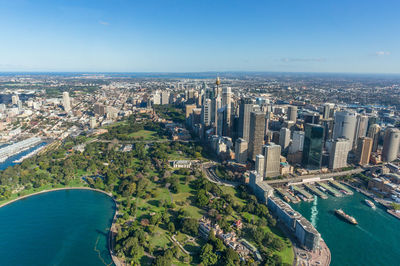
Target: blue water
x,y
374,241
10,161
67,227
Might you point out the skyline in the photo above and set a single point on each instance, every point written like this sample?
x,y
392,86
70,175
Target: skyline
x,y
223,36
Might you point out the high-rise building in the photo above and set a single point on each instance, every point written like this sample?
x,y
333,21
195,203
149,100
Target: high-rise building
x,y
312,148
241,150
256,138
66,101
206,112
92,122
215,106
311,118
297,142
284,138
373,133
338,153
99,109
260,164
391,144
272,157
165,97
156,97
292,113
328,111
345,126
364,148
361,128
245,108
15,99
189,109
226,102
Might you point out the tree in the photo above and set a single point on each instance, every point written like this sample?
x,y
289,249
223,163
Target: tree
x,y
190,226
208,257
231,257
171,227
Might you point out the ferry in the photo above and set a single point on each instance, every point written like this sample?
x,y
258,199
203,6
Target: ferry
x,y
370,203
346,217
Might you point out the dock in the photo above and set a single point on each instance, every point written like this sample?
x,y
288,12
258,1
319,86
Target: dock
x,y
305,194
330,189
286,196
315,191
339,186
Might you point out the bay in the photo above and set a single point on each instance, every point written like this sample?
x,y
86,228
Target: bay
x,y
65,227
374,241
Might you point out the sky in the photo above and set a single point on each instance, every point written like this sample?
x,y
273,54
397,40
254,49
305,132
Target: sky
x,y
344,36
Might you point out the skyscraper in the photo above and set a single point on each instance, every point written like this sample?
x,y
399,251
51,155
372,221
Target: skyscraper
x,y
292,113
284,138
257,127
260,164
66,101
328,110
373,133
338,153
361,129
164,97
226,102
391,144
272,156
206,112
312,148
345,126
297,142
364,148
245,108
241,150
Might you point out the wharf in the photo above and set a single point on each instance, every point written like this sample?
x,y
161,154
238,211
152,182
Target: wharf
x,y
315,191
286,196
307,196
330,189
394,213
339,186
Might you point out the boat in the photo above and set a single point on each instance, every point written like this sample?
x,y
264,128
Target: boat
x,y
346,217
370,203
321,188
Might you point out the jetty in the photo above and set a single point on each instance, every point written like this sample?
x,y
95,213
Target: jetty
x,y
341,187
330,189
315,191
307,196
286,196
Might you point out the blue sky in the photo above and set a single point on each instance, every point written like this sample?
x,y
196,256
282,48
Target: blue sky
x,y
200,35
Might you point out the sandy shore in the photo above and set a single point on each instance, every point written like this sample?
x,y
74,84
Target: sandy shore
x,y
112,231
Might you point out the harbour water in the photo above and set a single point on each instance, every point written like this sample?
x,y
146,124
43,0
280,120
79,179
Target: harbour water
x,y
374,241
67,227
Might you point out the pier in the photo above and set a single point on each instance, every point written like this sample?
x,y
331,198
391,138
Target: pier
x,y
315,191
330,189
286,196
339,186
305,194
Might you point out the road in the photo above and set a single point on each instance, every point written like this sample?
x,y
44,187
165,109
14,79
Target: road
x,y
207,169
322,176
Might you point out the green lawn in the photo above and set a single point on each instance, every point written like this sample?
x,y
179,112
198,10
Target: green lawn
x,y
145,134
286,253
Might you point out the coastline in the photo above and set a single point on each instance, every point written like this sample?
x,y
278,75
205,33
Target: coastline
x,y
111,232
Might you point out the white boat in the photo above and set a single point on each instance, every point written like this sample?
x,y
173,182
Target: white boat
x,y
370,203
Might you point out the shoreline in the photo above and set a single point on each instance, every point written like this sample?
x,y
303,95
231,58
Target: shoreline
x,y
114,258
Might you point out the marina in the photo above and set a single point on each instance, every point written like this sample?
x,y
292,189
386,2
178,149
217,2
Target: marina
x,y
315,191
18,147
302,193
330,189
340,187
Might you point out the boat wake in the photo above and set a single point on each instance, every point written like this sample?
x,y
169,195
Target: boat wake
x,y
314,212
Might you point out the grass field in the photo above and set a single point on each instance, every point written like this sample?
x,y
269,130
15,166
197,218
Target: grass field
x,y
145,134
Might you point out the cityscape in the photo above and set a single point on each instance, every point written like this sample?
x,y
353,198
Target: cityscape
x,y
210,133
